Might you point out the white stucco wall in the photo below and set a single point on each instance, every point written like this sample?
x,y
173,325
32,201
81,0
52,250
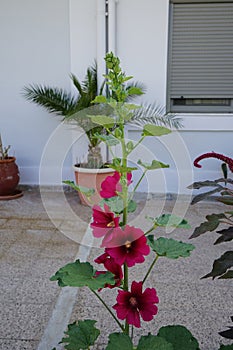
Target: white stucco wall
x,y
42,42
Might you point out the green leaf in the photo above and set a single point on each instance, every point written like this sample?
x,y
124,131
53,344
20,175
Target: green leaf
x,y
102,120
87,191
81,336
180,337
100,99
110,140
122,169
170,220
152,342
154,165
226,235
226,347
202,196
131,106
80,274
119,341
226,200
210,225
155,130
170,247
227,275
116,205
221,265
207,183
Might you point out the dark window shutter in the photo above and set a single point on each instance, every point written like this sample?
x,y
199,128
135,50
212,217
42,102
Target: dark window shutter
x,y
201,51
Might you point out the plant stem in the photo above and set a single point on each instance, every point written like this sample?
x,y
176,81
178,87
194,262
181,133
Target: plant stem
x,y
150,268
138,183
150,230
109,310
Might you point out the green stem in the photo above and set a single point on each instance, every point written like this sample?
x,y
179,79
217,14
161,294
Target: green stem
x,y
109,310
138,183
151,229
150,268
138,143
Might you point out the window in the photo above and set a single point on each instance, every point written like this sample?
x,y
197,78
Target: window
x,y
200,56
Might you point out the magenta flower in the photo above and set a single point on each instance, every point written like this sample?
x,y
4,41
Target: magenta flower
x,y
110,265
111,185
128,245
225,159
103,220
132,305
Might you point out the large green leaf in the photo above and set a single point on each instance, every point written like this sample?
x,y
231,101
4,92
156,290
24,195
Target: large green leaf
x,y
170,247
87,191
116,205
210,225
155,130
80,274
110,140
226,235
152,342
119,341
221,265
171,220
227,275
207,183
180,337
226,200
100,99
204,195
81,336
155,164
102,120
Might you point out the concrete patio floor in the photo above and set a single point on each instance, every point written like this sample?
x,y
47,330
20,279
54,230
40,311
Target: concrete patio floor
x,y
40,234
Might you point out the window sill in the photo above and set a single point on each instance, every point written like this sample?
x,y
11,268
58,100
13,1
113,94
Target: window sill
x,y
207,122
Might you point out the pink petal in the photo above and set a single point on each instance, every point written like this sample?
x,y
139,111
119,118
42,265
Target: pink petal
x,y
148,314
133,318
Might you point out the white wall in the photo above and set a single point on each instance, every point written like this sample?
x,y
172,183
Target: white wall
x,y
43,41
35,48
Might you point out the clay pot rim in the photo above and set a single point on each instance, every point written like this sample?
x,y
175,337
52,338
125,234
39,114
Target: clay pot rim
x,y
93,171
8,160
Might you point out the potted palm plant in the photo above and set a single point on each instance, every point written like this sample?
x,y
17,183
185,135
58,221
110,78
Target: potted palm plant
x,y
78,108
9,175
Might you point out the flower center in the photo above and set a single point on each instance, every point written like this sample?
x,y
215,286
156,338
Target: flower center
x,y
127,244
111,224
133,301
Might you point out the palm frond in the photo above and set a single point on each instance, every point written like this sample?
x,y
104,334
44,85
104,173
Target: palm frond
x,y
57,101
77,83
157,115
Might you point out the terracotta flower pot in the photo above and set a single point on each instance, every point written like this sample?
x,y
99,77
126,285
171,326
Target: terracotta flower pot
x,y
91,178
9,178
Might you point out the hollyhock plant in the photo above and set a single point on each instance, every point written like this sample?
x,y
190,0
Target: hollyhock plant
x,y
124,246
131,305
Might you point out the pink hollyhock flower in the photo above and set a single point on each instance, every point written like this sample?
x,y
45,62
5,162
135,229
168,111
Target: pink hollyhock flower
x,y
103,220
219,156
128,245
110,265
132,305
111,185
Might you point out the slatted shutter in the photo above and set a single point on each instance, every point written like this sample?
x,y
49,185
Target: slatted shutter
x,y
201,56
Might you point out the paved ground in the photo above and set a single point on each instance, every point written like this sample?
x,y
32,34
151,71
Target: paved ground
x,y
38,236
